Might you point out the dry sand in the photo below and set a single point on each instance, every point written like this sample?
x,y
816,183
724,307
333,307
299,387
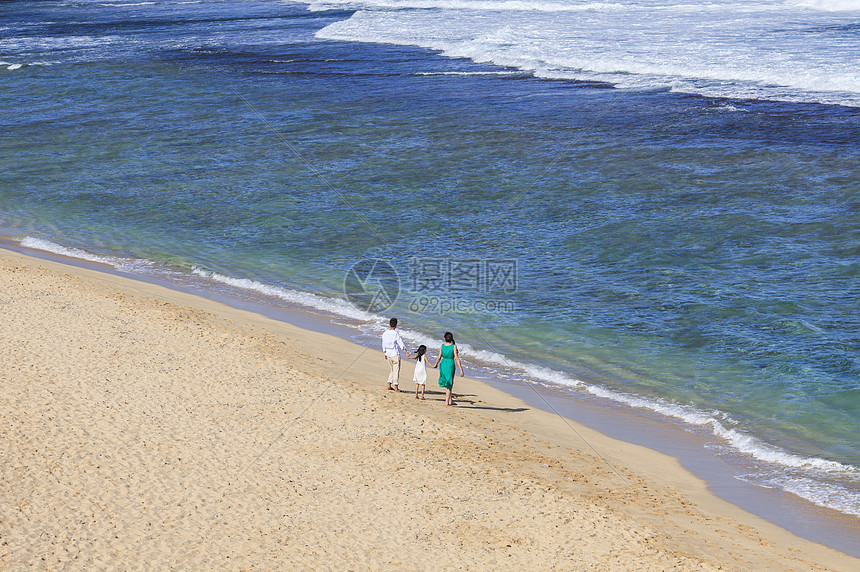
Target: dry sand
x,y
147,429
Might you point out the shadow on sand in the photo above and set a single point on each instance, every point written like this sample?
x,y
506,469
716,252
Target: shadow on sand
x,y
462,400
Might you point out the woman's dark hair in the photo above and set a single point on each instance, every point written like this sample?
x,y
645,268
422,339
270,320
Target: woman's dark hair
x,y
449,338
422,349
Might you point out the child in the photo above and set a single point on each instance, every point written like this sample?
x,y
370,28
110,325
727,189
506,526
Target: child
x,y
420,375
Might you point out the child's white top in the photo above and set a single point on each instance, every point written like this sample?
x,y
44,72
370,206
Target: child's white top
x,y
420,375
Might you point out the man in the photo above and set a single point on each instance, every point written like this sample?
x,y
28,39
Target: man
x,y
392,344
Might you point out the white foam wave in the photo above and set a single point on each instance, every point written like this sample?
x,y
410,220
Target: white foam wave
x,y
141,266
306,299
136,265
827,5
752,51
764,452
123,264
473,5
544,374
824,494
730,107
573,6
718,424
15,66
47,43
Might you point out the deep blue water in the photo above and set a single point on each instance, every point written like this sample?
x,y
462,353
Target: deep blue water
x,y
694,256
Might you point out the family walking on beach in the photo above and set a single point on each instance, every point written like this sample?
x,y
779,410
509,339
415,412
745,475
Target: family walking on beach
x,y
447,362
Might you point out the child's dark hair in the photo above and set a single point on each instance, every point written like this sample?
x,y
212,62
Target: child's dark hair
x,y
422,349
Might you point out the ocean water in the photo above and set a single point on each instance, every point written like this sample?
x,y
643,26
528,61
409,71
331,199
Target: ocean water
x,y
654,203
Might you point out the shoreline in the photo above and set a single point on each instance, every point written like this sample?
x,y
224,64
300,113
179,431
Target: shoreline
x,y
618,420
669,507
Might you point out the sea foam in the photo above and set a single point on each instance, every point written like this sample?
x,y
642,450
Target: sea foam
x,y
483,5
827,5
717,49
70,252
305,299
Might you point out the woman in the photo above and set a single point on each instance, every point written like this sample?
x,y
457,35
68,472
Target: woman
x,y
448,356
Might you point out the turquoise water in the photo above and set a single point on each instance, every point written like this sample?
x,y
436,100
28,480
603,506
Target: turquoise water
x,y
694,256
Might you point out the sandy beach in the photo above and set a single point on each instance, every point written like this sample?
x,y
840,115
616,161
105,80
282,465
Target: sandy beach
x,y
145,428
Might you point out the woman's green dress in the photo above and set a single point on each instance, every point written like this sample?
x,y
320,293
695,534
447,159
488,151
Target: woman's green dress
x,y
446,367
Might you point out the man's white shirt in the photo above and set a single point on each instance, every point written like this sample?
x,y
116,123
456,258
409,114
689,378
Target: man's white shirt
x,y
392,343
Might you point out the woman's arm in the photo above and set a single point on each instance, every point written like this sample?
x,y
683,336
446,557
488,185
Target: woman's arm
x,y
438,359
457,359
